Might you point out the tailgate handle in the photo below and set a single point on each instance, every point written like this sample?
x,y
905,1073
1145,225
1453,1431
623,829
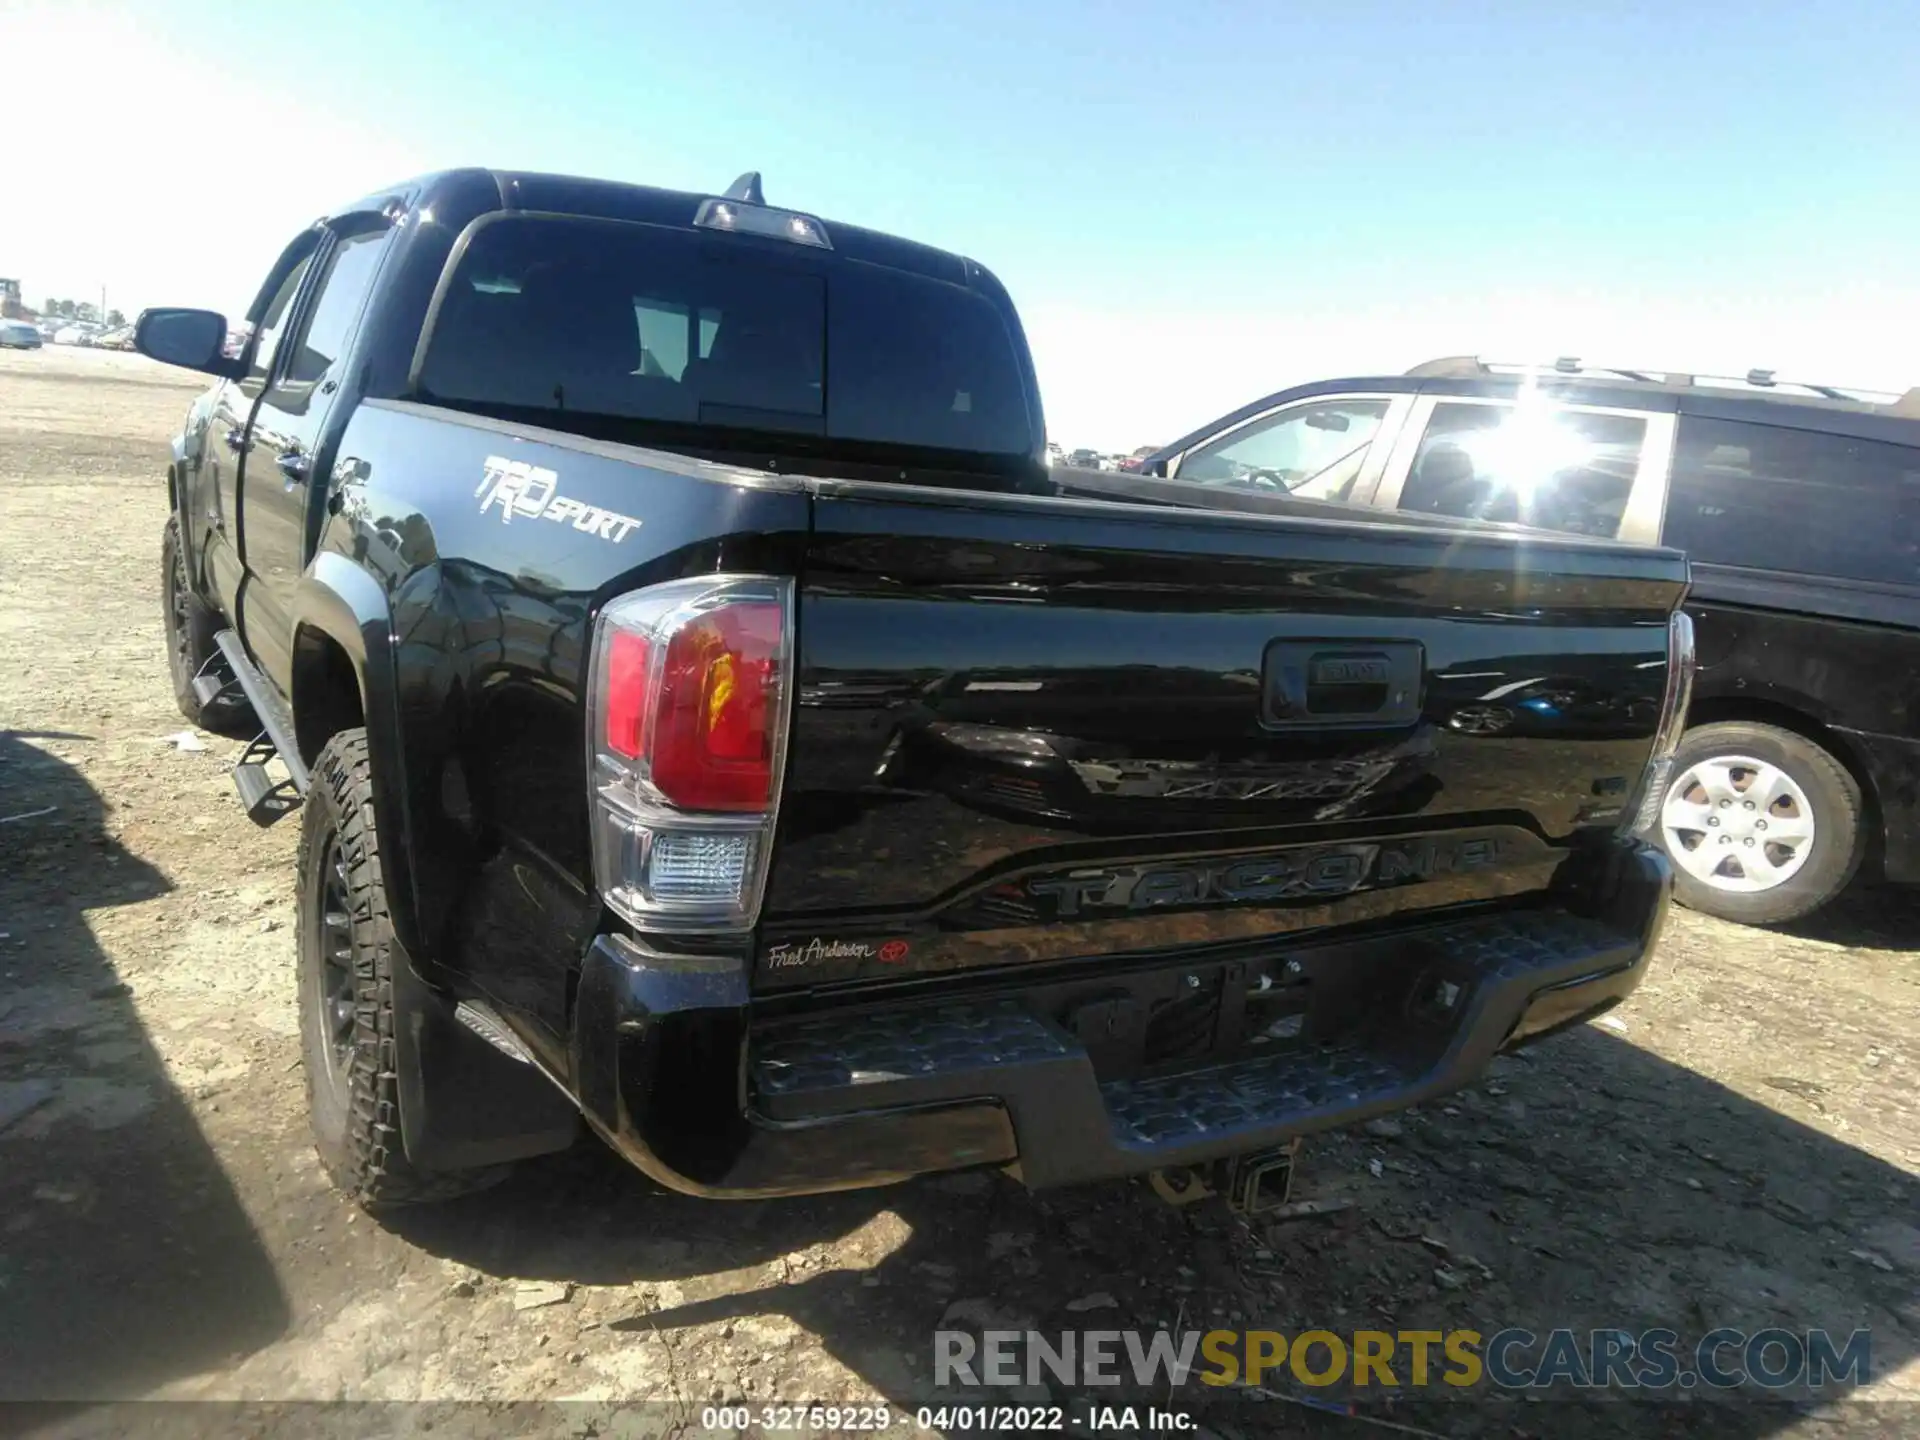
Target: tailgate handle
x,y
1341,683
1348,684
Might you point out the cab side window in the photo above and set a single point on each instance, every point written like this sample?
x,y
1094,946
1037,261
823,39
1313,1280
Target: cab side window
x,y
1313,450
271,327
1538,465
350,269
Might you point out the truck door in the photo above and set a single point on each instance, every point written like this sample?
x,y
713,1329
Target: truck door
x,y
225,441
280,476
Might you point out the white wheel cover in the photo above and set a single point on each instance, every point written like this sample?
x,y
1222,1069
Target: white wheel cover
x,y
1737,824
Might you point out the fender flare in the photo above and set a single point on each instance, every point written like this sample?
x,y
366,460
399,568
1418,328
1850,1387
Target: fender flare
x,y
193,532
462,1102
176,467
177,503
346,604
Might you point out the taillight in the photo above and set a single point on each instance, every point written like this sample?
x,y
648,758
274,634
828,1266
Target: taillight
x,y
712,743
1682,661
628,663
687,711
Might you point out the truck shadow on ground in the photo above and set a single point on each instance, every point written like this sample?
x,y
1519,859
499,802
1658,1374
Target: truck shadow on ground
x,y
1585,1184
126,1259
1867,915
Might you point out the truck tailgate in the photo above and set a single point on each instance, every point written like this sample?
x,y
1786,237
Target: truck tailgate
x,y
1034,730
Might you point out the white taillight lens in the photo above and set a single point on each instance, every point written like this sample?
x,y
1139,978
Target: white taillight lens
x,y
1681,663
686,734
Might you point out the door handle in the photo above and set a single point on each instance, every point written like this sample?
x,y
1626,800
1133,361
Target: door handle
x,y
294,465
236,440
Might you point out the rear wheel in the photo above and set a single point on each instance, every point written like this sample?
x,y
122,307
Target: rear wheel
x,y
190,626
1762,824
348,1014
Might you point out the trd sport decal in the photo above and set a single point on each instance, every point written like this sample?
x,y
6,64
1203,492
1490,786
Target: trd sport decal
x,y
518,488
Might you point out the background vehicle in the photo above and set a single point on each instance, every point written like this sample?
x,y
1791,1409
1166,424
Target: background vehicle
x,y
714,721
1799,506
18,335
1085,459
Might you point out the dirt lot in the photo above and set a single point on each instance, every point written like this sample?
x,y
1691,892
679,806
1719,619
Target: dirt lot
x,y
1744,1152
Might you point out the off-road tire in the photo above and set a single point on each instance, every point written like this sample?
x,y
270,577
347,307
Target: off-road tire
x,y
354,1102
1839,840
190,626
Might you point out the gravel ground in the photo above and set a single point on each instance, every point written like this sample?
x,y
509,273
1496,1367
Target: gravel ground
x,y
1740,1148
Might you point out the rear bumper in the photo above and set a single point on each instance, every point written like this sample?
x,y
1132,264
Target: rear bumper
x,y
669,1067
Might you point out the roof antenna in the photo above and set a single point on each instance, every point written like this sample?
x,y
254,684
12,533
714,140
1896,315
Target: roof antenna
x,y
746,189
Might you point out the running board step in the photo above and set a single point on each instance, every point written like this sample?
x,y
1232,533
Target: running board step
x,y
215,682
264,798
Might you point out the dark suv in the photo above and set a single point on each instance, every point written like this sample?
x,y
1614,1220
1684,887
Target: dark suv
x,y
1800,507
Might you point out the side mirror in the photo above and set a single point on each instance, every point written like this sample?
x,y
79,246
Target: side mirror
x,y
193,339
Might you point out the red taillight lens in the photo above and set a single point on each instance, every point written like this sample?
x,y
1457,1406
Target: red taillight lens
x,y
627,705
686,721
713,729
705,723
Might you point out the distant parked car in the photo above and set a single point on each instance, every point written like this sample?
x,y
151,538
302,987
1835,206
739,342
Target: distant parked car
x,y
120,338
1085,459
73,335
18,335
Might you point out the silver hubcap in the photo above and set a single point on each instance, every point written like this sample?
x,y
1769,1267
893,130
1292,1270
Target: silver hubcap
x,y
1737,823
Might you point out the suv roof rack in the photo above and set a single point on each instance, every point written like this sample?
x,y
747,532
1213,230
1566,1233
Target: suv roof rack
x,y
1467,367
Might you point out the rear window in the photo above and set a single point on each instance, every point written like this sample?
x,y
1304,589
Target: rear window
x,y
1793,500
646,322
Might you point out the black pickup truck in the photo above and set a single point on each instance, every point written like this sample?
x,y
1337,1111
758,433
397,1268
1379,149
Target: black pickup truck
x,y
710,717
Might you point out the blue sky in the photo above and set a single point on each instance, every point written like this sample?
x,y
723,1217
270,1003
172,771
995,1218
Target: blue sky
x,y
1192,204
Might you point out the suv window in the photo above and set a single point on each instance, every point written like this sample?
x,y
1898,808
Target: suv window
x,y
1795,500
646,322
1540,465
1314,450
343,290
